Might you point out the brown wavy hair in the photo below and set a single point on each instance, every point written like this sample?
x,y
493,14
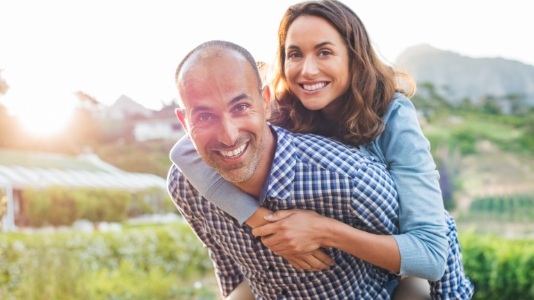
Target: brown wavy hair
x,y
371,88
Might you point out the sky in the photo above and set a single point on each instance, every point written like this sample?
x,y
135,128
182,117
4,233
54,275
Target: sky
x,y
50,49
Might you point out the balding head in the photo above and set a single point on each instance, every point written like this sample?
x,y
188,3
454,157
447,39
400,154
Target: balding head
x,y
199,56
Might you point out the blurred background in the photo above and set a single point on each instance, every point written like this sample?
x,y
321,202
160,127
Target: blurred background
x,y
87,121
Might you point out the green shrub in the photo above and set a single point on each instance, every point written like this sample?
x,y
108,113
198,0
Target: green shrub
x,y
150,201
55,206
165,261
156,262
499,268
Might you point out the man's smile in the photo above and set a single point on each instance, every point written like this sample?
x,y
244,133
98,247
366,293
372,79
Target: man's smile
x,y
233,153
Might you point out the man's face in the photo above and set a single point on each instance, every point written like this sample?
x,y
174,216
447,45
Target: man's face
x,y
224,114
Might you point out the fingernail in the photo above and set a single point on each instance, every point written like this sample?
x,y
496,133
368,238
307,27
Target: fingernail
x,y
268,217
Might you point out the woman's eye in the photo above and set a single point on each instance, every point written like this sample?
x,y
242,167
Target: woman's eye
x,y
324,53
293,55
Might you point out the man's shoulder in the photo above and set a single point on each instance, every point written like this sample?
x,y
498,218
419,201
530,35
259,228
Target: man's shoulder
x,y
308,142
322,151
176,180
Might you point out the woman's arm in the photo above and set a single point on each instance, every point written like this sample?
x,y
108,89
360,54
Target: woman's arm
x,y
405,150
301,231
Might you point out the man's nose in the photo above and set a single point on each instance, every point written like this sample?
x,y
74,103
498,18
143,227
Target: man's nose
x,y
228,131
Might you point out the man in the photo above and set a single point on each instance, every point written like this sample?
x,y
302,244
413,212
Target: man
x,y
346,194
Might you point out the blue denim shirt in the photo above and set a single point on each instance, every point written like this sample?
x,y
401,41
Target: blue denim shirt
x,y
405,151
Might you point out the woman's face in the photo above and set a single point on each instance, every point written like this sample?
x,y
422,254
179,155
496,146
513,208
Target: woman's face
x,y
317,64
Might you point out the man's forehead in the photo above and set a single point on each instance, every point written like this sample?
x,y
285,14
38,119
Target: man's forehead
x,y
205,57
202,75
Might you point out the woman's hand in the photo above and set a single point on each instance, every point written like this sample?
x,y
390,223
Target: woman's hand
x,y
297,236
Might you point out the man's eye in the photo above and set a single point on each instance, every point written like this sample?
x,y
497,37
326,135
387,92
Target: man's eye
x,y
204,117
241,107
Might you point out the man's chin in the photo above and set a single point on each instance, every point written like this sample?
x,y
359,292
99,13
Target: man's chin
x,y
235,175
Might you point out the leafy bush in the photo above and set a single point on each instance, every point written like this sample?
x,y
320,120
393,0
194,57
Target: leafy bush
x,y
166,262
499,268
150,201
57,206
156,262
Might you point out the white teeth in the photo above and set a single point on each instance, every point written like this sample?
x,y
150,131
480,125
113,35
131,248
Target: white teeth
x,y
312,87
233,153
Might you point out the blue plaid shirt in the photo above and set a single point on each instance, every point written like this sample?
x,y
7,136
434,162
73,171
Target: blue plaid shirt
x,y
308,172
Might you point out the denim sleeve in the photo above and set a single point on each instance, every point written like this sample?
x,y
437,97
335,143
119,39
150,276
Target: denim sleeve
x,y
406,151
210,184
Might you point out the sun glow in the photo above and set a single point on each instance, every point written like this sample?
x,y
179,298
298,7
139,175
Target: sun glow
x,y
44,119
44,123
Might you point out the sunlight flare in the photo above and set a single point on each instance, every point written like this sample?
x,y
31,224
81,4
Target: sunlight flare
x,y
45,118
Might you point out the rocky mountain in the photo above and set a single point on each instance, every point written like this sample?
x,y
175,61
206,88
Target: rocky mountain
x,y
458,77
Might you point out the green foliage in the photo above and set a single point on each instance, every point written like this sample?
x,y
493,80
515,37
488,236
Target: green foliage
x,y
166,262
499,268
507,208
57,206
156,262
126,156
102,205
464,140
150,201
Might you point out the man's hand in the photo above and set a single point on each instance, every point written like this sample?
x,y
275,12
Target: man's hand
x,y
314,261
295,235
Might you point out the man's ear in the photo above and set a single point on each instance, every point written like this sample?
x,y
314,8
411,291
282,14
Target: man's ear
x,y
180,114
266,94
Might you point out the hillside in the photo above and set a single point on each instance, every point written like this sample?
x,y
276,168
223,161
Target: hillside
x,y
458,77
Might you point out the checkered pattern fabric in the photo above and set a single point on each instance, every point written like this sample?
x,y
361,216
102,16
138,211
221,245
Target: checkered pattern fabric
x,y
454,285
308,172
314,173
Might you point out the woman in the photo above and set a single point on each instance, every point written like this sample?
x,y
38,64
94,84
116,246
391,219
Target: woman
x,y
329,81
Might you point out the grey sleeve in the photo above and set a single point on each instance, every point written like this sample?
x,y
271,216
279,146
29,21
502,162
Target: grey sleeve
x,y
210,184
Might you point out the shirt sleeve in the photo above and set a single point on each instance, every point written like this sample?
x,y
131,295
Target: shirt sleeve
x,y
210,184
422,223
226,270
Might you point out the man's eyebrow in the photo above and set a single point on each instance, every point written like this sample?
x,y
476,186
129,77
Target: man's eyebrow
x,y
239,98
199,108
204,108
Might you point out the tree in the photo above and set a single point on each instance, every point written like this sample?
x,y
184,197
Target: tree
x,y
491,105
516,103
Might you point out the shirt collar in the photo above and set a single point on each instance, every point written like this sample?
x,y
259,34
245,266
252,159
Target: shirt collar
x,y
279,184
